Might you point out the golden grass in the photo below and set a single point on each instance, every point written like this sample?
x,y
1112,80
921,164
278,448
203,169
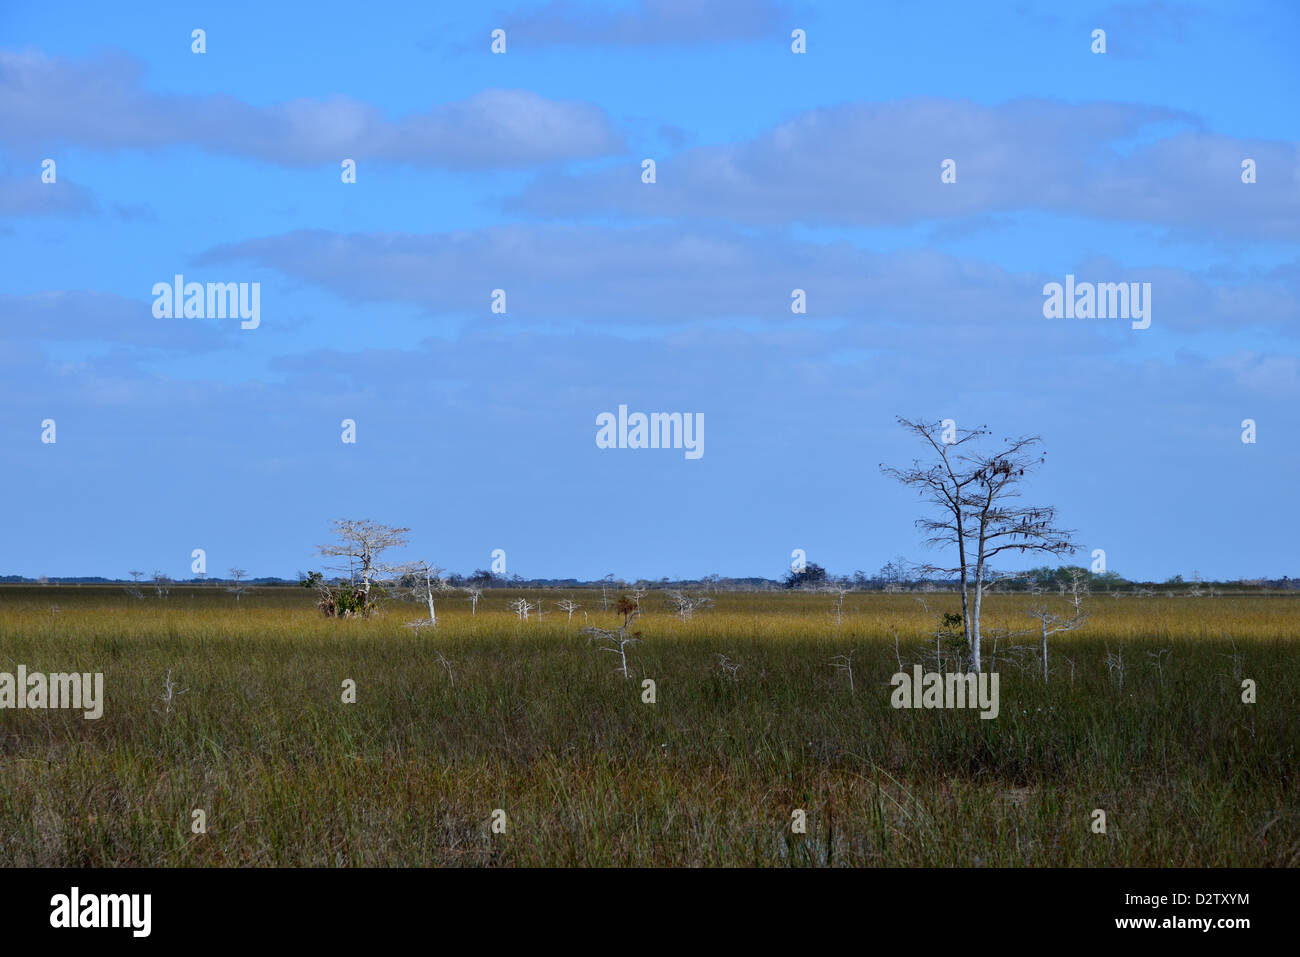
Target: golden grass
x,y
489,712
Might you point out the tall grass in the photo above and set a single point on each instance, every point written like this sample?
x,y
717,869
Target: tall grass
x,y
488,712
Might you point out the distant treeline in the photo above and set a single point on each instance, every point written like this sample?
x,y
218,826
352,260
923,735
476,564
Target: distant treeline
x,y
898,576
894,576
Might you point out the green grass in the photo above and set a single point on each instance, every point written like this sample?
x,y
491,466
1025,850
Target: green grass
x,y
489,712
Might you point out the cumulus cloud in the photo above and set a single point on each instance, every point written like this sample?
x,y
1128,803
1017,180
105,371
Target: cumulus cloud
x,y
101,103
878,164
66,316
647,23
668,275
28,196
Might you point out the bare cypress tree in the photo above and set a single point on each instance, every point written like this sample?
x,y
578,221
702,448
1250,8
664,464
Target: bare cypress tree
x,y
237,586
568,605
1050,623
419,580
943,484
362,541
976,494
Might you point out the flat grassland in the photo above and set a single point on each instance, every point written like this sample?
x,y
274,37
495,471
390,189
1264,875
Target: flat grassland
x,y
1142,718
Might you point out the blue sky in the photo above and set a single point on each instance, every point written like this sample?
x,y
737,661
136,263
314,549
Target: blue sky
x,y
522,171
